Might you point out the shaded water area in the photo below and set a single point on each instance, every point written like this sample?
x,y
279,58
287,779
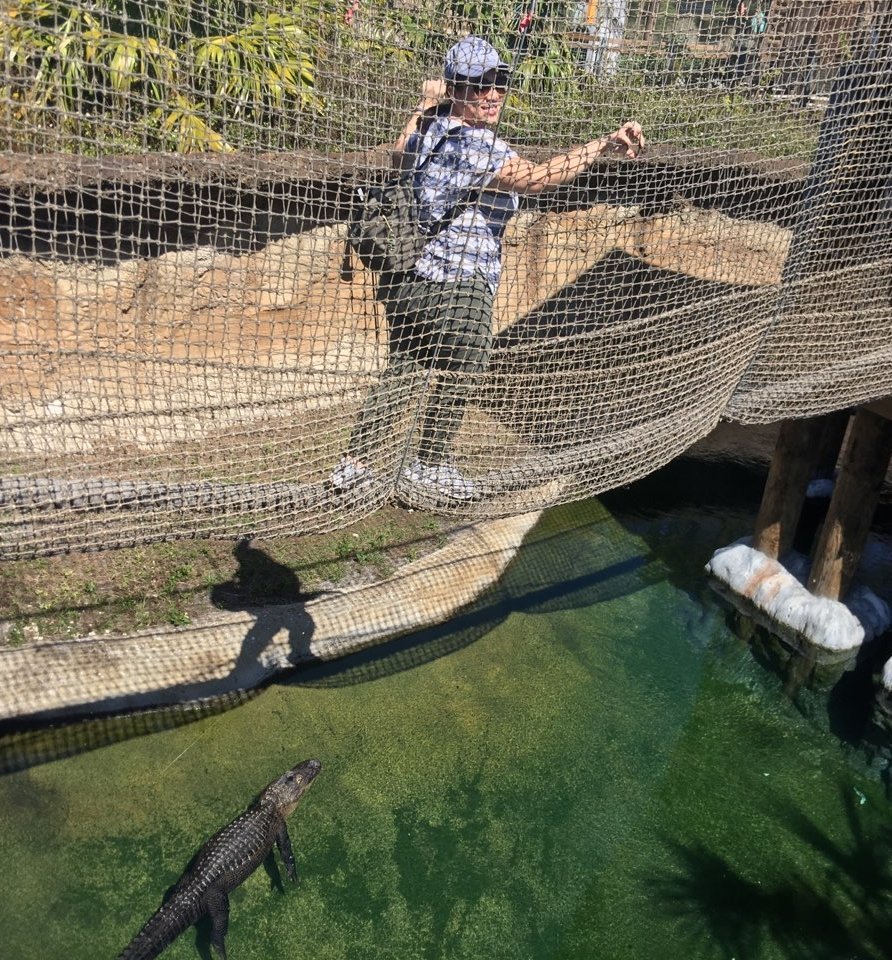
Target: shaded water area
x,y
599,760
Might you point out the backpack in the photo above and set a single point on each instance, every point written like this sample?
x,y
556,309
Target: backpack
x,y
384,228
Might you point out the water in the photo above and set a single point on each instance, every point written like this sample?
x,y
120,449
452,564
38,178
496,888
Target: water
x,y
591,763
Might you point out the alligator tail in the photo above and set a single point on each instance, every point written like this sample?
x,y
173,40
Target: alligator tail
x,y
158,933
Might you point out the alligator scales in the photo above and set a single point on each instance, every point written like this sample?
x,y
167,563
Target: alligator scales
x,y
228,858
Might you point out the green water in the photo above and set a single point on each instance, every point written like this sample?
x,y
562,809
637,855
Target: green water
x,y
589,764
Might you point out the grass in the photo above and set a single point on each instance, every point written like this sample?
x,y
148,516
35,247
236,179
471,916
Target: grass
x,y
563,110
121,591
689,116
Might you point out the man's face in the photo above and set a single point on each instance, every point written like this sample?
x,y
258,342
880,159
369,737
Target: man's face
x,y
480,101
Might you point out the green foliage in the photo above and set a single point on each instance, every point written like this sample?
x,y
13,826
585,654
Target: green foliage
x,y
199,75
183,126
90,73
585,106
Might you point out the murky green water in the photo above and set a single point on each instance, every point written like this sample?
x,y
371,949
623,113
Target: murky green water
x,y
590,764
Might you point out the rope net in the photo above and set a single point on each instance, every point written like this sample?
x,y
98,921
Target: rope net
x,y
188,354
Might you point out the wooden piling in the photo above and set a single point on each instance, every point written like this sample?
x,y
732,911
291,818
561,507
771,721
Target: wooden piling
x,y
855,497
801,450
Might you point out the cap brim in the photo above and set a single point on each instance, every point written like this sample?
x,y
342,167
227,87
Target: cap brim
x,y
459,77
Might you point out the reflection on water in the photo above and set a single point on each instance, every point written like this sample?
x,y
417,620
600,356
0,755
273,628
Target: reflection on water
x,y
597,759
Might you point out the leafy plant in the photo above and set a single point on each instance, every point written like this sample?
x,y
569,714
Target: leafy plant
x,y
86,72
213,75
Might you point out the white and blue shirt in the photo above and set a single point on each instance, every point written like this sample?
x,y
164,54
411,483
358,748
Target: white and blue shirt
x,y
466,162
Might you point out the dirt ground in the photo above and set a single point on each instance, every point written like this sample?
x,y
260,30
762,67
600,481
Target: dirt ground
x,y
121,591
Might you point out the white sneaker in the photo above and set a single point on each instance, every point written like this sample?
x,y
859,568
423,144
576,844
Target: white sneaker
x,y
441,478
348,473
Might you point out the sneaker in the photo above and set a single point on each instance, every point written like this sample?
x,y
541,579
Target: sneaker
x,y
441,478
349,473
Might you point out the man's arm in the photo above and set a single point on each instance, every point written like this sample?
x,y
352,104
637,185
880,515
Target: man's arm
x,y
523,176
432,92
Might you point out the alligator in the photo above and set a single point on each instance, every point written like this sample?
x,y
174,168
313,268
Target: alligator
x,y
227,859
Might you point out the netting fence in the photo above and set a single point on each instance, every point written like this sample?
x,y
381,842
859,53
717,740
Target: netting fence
x,y
187,351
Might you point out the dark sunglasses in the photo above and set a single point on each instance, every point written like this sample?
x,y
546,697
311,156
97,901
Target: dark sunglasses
x,y
491,80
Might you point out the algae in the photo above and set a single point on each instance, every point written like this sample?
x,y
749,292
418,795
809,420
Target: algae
x,y
588,762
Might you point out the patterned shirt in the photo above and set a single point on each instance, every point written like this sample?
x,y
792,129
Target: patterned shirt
x,y
467,161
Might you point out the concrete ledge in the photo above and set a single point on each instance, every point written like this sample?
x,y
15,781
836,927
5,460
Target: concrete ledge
x,y
775,593
240,651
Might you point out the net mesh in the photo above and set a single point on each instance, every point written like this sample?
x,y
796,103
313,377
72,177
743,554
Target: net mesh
x,y
186,352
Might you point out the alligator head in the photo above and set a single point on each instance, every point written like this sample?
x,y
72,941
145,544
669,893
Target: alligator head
x,y
291,786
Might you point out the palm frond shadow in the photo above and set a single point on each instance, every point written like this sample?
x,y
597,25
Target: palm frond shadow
x,y
843,909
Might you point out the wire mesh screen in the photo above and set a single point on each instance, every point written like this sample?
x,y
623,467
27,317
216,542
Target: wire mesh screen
x,y
191,348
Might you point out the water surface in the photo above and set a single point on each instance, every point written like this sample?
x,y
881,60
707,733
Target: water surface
x,y
591,763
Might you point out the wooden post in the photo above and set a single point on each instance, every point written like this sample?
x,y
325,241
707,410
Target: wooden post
x,y
800,667
830,444
801,444
865,461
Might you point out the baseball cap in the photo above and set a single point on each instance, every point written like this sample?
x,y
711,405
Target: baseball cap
x,y
472,57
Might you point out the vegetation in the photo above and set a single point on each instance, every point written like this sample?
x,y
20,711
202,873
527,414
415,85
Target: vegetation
x,y
179,582
176,75
114,76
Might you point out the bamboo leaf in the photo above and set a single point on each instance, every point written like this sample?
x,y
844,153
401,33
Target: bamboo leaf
x,y
125,55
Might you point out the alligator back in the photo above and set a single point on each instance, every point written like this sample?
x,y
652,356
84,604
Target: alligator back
x,y
234,852
228,858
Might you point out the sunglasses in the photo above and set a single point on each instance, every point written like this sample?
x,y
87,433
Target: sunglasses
x,y
491,80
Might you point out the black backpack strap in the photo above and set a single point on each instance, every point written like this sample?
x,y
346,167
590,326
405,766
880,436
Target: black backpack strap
x,y
462,204
347,272
421,167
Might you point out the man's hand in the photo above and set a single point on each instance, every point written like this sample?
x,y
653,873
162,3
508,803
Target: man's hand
x,y
628,140
432,92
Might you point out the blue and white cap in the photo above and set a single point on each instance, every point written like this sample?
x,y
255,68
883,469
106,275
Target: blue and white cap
x,y
471,58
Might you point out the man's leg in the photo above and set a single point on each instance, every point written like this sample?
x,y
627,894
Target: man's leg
x,y
393,393
462,350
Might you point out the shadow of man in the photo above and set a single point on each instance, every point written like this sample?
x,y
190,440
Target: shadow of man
x,y
271,591
268,590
